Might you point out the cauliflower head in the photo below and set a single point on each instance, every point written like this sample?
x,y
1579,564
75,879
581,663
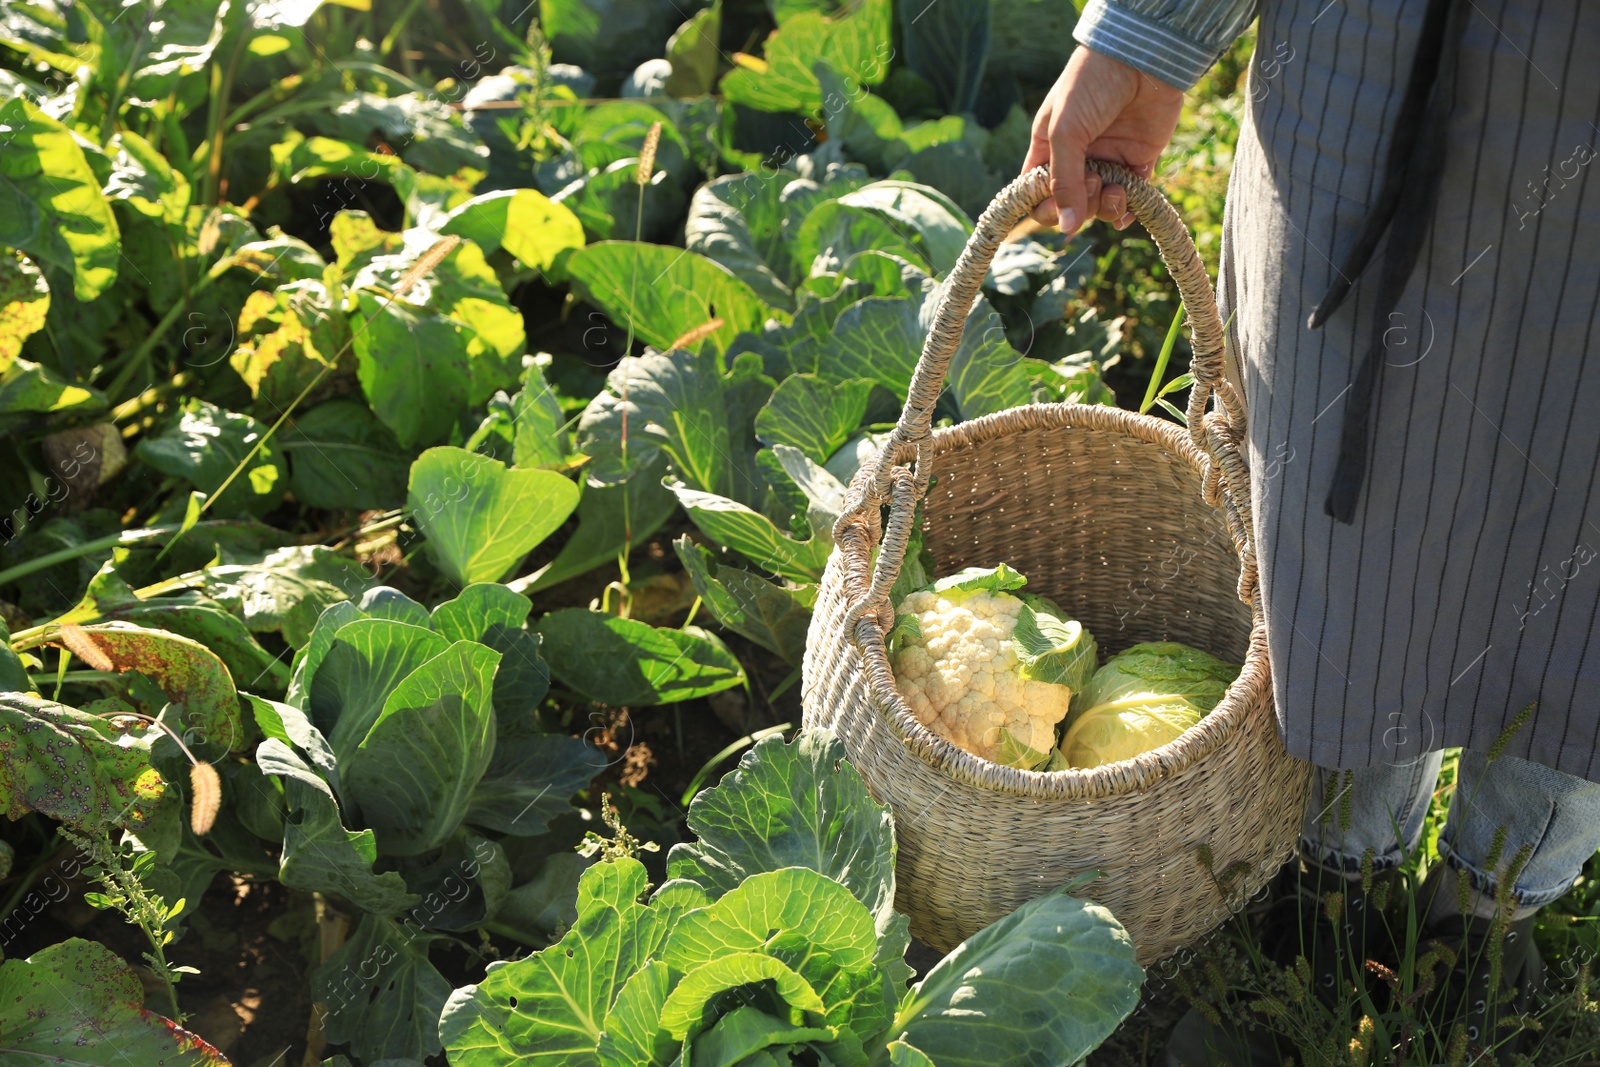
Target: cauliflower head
x,y
987,670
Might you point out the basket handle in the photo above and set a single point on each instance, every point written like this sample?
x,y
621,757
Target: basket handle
x,y
1218,433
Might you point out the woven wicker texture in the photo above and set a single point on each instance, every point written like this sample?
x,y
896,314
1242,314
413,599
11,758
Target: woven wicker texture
x,y
1139,529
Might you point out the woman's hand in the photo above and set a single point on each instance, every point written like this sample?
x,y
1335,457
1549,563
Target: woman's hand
x,y
1102,108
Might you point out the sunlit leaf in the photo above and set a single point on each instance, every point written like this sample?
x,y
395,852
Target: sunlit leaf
x,y
524,222
814,415
857,44
481,517
414,369
1044,985
755,536
550,1006
752,606
50,200
189,614
187,671
665,292
24,303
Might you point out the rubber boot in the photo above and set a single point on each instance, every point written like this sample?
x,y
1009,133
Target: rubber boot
x,y
1318,914
1467,994
1344,926
1196,1042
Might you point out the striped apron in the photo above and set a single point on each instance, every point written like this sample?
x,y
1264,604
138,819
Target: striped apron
x,y
1468,583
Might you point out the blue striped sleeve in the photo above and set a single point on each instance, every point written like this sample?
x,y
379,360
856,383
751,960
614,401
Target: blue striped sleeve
x,y
1174,40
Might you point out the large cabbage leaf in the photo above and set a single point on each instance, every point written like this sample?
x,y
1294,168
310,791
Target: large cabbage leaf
x,y
1107,733
774,616
1161,668
1141,699
793,926
666,293
857,43
413,773
948,44
480,516
679,403
1043,986
629,662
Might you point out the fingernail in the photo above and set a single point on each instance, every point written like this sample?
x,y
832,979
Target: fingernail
x,y
1069,221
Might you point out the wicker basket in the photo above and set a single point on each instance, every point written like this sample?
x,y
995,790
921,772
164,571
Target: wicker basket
x,y
1136,527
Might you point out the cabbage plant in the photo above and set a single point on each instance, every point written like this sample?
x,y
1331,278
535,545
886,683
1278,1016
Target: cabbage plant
x,y
775,941
409,746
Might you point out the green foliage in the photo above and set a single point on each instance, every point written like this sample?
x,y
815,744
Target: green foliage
x,y
855,43
481,517
189,614
676,403
186,671
627,662
285,591
522,221
216,218
50,200
24,302
776,935
948,44
665,293
205,445
814,415
73,767
776,617
608,37
341,456
402,1020
93,1001
420,726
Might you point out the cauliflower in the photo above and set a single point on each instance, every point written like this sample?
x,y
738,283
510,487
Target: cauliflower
x,y
988,671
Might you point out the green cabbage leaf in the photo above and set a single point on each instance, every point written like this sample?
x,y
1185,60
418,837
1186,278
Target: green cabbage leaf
x,y
1141,699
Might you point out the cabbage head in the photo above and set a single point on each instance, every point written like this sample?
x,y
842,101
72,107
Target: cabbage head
x,y
1141,699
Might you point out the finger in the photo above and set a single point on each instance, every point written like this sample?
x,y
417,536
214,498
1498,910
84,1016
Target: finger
x,y
1039,153
1068,187
1113,203
1093,190
1124,222
1039,142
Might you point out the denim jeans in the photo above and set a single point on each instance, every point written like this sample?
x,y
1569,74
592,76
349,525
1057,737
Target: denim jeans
x,y
1381,809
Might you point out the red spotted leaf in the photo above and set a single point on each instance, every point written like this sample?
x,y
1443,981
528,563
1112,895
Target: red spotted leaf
x,y
77,1003
188,672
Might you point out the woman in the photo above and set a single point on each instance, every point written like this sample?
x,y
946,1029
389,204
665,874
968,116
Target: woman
x,y
1411,262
